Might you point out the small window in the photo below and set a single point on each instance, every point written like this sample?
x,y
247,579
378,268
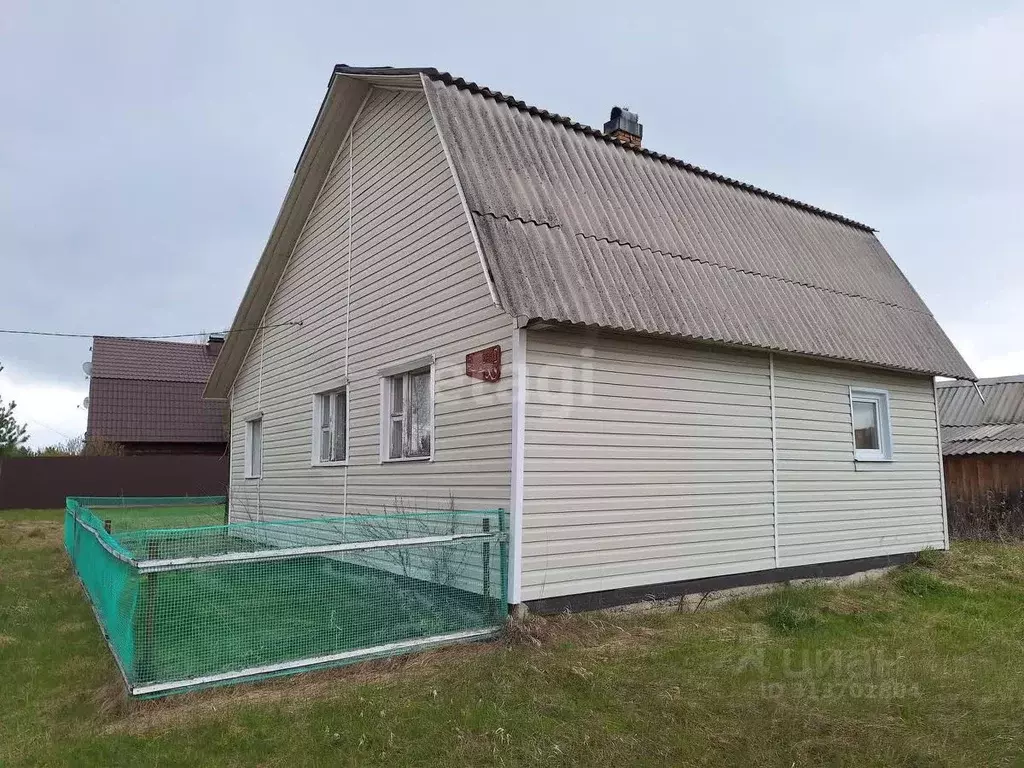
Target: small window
x,y
409,416
872,432
254,448
330,427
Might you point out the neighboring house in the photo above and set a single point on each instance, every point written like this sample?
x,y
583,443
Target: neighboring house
x,y
146,397
699,379
983,442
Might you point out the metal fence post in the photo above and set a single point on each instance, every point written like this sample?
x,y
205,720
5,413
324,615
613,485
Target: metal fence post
x,y
487,567
145,649
503,549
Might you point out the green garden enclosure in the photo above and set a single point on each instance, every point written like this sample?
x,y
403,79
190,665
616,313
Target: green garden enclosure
x,y
187,599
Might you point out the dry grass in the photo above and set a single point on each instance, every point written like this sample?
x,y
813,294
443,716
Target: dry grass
x,y
921,668
147,716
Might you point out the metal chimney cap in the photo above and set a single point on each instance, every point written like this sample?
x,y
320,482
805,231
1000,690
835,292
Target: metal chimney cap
x,y
624,120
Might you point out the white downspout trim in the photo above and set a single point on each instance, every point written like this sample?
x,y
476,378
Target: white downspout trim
x,y
942,466
775,458
515,587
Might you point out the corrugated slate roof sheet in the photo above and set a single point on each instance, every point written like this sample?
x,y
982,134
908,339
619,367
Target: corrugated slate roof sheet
x,y
151,391
971,426
578,228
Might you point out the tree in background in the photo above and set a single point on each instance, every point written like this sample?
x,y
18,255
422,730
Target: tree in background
x,y
13,435
73,446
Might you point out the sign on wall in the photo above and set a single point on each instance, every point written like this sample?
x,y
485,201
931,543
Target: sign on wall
x,y
484,364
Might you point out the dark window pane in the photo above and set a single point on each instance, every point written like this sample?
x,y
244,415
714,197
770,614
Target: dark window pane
x,y
339,426
865,426
395,439
419,421
325,445
397,395
256,446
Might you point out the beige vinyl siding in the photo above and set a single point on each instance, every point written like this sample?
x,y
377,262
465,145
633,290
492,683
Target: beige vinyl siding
x,y
417,289
651,461
833,508
645,462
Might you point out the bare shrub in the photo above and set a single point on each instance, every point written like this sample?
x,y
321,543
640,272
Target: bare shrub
x,y
998,515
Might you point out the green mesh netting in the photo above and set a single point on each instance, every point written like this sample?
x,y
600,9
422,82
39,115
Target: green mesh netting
x,y
187,600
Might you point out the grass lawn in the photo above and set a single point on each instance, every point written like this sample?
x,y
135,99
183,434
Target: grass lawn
x,y
925,667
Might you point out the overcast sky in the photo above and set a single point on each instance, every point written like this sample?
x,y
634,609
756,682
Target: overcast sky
x,y
144,151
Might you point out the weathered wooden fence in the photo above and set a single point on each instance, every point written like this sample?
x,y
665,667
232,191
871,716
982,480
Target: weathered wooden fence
x,y
43,482
985,495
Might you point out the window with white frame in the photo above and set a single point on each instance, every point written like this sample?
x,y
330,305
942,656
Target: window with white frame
x,y
254,447
872,430
330,427
408,429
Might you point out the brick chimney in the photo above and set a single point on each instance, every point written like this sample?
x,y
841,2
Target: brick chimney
x,y
214,344
625,126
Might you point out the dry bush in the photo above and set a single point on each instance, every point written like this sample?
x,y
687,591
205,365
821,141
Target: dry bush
x,y
996,516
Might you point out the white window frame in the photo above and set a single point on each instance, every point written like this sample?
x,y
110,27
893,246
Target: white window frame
x,y
386,375
318,426
879,398
253,473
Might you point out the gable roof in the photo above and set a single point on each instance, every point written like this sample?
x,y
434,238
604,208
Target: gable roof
x,y
577,227
970,425
151,391
148,360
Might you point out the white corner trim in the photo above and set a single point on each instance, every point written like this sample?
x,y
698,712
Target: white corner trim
x,y
942,466
515,587
775,457
462,194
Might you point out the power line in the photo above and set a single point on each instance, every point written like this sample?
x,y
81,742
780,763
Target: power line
x,y
59,334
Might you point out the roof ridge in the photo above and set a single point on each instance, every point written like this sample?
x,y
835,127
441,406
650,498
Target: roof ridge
x,y
152,341
468,85
472,87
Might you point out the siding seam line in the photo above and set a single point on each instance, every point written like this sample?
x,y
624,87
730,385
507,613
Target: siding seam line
x,y
775,458
298,239
348,305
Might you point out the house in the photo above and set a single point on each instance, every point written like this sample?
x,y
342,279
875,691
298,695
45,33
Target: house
x,y
672,380
145,397
983,450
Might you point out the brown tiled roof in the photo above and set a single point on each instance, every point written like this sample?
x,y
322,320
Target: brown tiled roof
x,y
151,391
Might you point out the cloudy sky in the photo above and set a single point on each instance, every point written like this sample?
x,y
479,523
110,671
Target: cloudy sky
x,y
146,147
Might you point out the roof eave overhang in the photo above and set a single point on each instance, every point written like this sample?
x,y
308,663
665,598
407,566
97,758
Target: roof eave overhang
x,y
346,92
541,324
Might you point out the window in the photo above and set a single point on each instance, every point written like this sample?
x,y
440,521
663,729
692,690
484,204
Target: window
x,y
254,448
872,433
408,428
330,427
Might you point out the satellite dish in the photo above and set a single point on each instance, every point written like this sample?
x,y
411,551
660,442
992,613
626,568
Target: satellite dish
x,y
85,403
87,368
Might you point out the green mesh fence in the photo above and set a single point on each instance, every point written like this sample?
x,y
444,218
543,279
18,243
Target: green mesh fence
x,y
187,600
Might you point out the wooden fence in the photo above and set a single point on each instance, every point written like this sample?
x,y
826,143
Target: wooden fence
x,y
985,495
43,482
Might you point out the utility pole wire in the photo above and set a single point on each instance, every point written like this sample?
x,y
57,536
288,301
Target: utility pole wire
x,y
61,335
